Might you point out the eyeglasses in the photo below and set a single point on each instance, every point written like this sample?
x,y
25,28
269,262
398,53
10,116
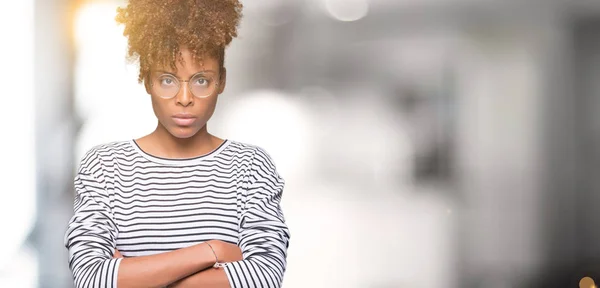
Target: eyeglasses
x,y
167,86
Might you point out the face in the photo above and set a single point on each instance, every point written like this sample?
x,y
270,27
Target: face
x,y
184,99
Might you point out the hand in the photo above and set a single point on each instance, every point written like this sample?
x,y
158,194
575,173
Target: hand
x,y
226,252
117,254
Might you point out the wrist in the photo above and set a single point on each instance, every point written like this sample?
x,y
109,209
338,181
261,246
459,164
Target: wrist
x,y
215,247
212,249
206,256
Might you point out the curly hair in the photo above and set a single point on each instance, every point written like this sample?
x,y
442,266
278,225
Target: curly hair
x,y
156,29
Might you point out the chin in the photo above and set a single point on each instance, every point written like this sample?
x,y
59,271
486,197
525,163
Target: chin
x,y
183,132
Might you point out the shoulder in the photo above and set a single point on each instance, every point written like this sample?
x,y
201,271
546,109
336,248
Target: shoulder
x,y
92,174
98,156
255,154
263,171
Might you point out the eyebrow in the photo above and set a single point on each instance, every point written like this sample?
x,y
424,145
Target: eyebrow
x,y
199,72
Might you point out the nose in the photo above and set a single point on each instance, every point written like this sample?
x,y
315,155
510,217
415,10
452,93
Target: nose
x,y
184,96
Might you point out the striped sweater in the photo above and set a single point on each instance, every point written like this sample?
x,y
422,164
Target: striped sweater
x,y
141,204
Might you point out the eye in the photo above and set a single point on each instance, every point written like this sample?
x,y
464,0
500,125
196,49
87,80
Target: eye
x,y
200,81
166,81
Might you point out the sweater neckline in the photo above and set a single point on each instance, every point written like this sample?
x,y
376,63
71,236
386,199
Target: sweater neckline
x,y
179,161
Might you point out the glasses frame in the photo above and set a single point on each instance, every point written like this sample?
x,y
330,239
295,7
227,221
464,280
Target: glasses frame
x,y
179,81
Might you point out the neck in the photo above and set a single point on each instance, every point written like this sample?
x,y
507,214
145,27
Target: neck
x,y
169,146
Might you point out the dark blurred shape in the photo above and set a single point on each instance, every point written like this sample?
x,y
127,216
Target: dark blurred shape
x,y
573,241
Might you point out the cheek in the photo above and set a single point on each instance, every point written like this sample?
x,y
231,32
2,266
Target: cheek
x,y
209,108
160,108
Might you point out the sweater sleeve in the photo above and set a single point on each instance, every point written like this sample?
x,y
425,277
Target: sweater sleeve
x,y
264,236
91,234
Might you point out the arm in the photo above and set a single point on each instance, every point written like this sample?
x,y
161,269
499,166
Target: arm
x,y
212,277
91,240
165,268
264,236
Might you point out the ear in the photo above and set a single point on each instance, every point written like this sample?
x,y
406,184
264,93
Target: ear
x,y
222,80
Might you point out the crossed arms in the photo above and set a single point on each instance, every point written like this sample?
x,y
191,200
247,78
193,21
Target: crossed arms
x,y
193,267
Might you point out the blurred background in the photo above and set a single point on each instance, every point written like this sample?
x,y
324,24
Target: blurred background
x,y
424,143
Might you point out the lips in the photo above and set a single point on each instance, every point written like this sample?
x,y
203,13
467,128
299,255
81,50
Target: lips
x,y
184,119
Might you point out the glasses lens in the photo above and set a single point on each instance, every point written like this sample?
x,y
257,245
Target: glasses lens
x,y
165,86
203,85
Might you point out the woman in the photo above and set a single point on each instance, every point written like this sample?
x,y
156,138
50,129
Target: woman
x,y
178,207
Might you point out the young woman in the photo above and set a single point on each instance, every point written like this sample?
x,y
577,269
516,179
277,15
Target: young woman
x,y
179,207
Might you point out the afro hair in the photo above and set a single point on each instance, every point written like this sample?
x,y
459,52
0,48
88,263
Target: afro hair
x,y
157,29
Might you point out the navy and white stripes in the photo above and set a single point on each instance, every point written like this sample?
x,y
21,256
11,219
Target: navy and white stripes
x,y
142,205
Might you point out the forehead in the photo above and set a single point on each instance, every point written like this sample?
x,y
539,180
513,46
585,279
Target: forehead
x,y
188,65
